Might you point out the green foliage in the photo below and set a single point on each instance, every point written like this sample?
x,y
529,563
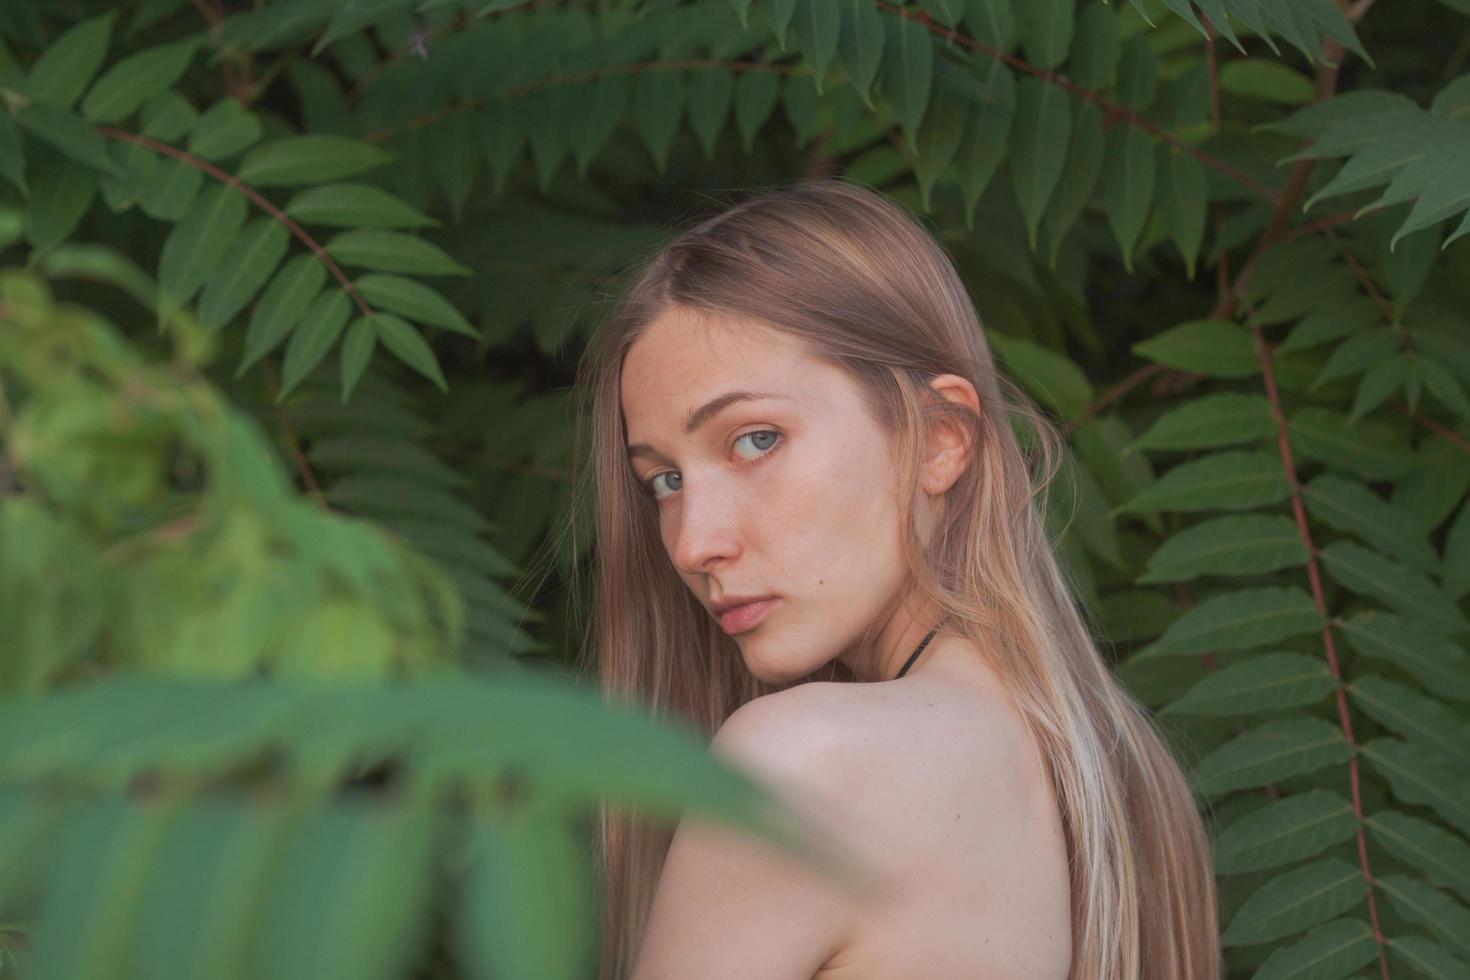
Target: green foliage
x,y
291,300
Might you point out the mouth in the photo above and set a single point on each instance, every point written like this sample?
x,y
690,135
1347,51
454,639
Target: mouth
x,y
739,619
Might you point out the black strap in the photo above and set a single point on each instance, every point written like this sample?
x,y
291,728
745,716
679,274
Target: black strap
x,y
920,648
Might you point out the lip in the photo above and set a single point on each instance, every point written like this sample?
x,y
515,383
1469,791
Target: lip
x,y
742,616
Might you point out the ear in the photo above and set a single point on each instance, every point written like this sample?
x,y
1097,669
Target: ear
x,y
948,448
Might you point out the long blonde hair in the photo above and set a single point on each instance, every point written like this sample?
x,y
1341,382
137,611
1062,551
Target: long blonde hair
x,y
859,280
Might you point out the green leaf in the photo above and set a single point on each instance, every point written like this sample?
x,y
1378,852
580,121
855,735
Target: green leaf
x,y
281,306
1076,186
1367,573
1439,664
1266,80
1046,31
60,199
1218,348
1128,185
352,16
391,251
818,24
1428,906
409,346
992,22
1233,545
320,327
247,264
1351,507
67,132
711,94
1184,198
1284,832
1430,959
756,93
938,139
1043,128
658,105
12,155
530,898
357,351
224,129
1138,75
1369,449
987,138
309,159
413,300
1269,753
135,79
60,75
1435,852
355,206
1247,619
1227,480
1333,949
1052,378
1457,555
1420,776
1222,419
195,247
1269,682
907,75
1095,55
314,924
860,44
1417,717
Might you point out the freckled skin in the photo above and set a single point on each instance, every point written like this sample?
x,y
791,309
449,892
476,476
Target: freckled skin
x,y
807,518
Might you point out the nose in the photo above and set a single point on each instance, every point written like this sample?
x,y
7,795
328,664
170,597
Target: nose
x,y
706,530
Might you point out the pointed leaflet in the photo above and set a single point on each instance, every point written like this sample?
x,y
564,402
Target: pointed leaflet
x,y
1248,544
282,304
320,327
860,45
802,104
755,96
1043,126
413,300
1417,717
938,139
602,112
1128,185
353,205
1222,419
1430,907
409,346
194,248
1372,450
1367,573
710,96
1350,506
138,77
1246,619
907,75
1440,855
992,22
987,138
59,200
309,159
1332,949
1227,480
1430,959
818,24
1438,663
1079,178
392,251
1138,74
245,267
224,129
1269,682
778,17
12,155
1421,776
1052,378
62,72
1284,832
67,132
1095,54
1046,30
1184,197
1269,753
1219,348
357,351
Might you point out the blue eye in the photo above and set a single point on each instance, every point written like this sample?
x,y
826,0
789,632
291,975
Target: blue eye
x,y
771,437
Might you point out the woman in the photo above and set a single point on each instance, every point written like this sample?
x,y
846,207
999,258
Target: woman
x,y
820,540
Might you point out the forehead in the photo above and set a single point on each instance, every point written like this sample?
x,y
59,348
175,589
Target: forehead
x,y
683,358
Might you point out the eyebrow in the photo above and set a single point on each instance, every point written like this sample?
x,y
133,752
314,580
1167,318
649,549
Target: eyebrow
x,y
704,413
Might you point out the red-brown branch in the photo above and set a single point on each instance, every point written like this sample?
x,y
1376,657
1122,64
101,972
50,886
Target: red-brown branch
x,y
256,198
1314,576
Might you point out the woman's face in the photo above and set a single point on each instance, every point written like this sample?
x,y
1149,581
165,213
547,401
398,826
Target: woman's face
x,y
786,494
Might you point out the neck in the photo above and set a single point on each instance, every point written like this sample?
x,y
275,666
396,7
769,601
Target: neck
x,y
885,656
